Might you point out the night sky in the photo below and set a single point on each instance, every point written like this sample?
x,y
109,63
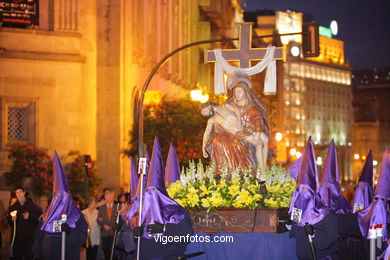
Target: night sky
x,y
364,25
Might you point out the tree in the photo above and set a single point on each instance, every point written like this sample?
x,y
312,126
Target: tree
x,y
30,163
178,121
75,171
33,166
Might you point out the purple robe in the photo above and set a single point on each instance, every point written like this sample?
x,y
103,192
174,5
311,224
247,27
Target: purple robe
x,y
62,202
305,200
329,189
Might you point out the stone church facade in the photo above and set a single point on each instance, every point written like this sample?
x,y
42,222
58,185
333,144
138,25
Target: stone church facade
x,y
71,82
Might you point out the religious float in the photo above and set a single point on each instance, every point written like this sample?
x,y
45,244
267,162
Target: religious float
x,y
238,192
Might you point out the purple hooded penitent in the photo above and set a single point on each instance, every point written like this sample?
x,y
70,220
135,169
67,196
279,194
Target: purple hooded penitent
x,y
133,178
305,198
329,189
130,212
172,168
383,188
377,212
62,201
296,166
364,190
158,206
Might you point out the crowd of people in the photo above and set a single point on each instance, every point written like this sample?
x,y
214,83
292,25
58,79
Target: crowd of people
x,y
23,215
109,227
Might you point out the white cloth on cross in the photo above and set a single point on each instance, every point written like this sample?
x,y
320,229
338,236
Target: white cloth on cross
x,y
221,66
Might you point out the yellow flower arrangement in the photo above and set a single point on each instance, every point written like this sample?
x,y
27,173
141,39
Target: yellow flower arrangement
x,y
198,188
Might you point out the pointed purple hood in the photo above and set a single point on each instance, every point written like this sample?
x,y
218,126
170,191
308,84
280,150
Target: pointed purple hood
x,y
308,173
156,174
329,189
133,178
364,190
305,197
383,188
368,170
172,168
296,166
62,201
377,212
158,206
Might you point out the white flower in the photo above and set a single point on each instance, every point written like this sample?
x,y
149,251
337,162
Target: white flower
x,y
184,179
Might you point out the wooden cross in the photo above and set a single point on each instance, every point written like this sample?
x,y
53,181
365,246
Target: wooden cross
x,y
245,53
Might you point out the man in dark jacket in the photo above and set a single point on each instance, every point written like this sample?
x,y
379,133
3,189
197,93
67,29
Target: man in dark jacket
x,y
23,218
106,220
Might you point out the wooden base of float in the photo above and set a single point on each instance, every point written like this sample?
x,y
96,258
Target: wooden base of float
x,y
240,220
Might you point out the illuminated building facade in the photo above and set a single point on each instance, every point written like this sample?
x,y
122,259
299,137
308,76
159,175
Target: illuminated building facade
x,y
371,106
71,81
314,96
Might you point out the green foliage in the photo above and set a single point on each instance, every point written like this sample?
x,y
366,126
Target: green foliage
x,y
179,122
75,171
30,162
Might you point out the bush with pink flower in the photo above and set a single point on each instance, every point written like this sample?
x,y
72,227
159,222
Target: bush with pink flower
x,y
32,166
